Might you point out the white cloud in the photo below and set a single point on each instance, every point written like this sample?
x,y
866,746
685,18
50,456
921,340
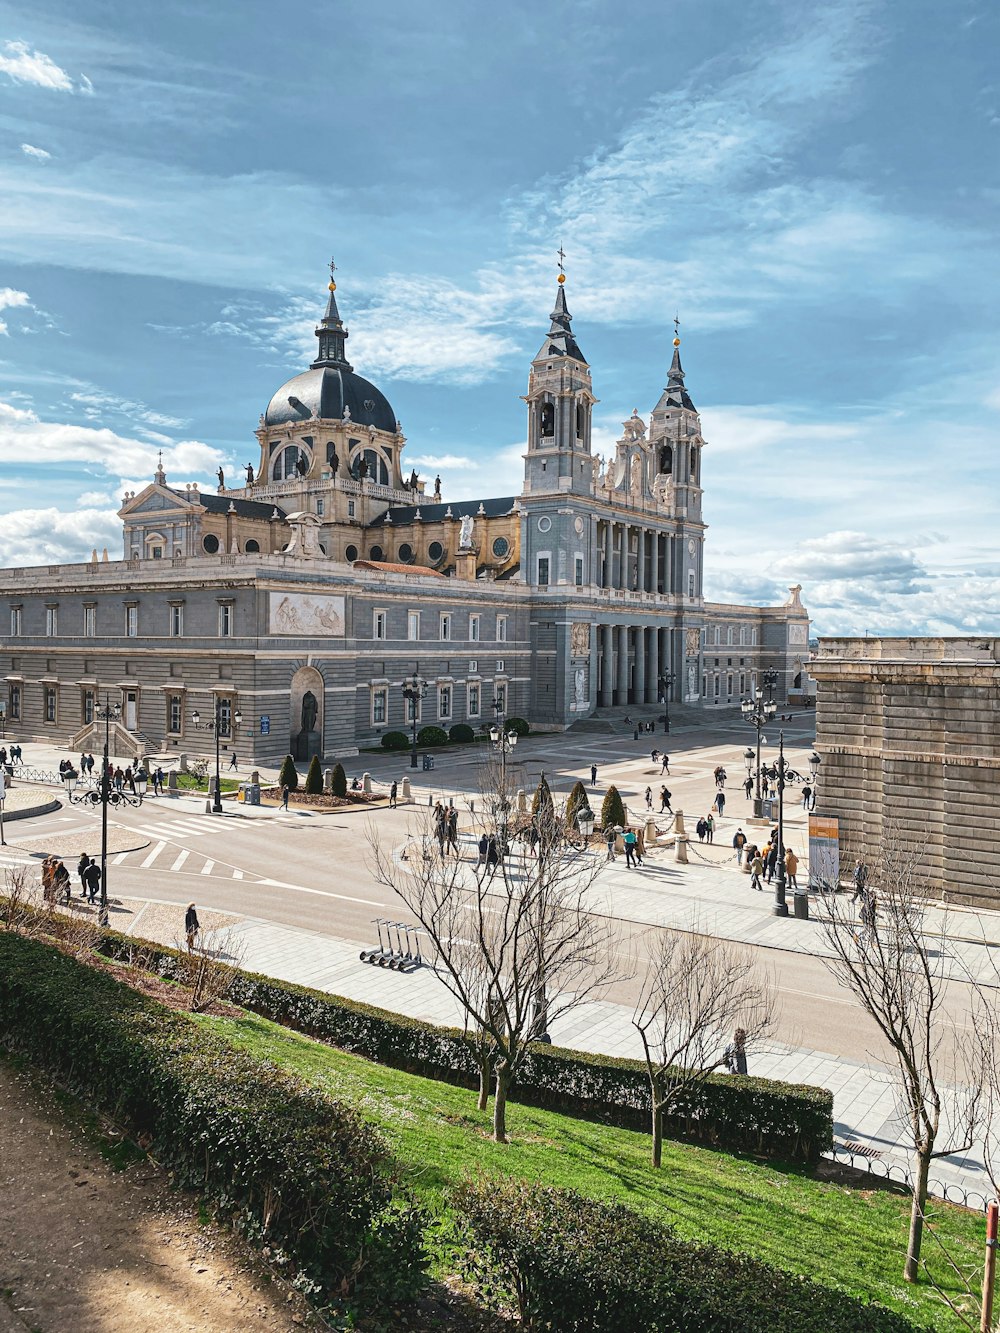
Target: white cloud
x,y
85,86
50,536
456,461
96,403
22,65
29,150
11,298
749,430
97,499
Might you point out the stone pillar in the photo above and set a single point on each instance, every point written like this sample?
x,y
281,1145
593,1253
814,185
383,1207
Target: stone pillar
x,y
366,784
607,667
623,555
639,678
404,790
640,561
621,693
654,563
653,669
680,838
650,832
608,555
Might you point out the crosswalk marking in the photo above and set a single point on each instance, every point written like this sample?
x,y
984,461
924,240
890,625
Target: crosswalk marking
x,y
153,855
180,859
237,874
119,858
208,867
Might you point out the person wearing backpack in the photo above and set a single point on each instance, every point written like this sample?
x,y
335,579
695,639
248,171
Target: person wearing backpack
x,y
739,842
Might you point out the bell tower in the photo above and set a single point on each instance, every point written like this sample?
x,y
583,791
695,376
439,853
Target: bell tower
x,y
560,404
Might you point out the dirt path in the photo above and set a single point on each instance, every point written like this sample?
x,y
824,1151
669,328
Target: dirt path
x,y
92,1249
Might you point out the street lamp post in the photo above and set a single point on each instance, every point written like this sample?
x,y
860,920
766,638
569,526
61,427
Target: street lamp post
x,y
666,683
503,742
814,763
216,725
414,690
770,679
758,711
780,907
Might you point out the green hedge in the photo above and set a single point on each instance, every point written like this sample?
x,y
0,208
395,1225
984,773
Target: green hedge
x,y
394,740
516,724
461,734
432,736
338,781
314,778
289,775
573,1265
612,809
782,1120
283,1160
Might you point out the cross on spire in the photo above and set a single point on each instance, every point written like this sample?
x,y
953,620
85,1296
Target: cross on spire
x,y
562,256
333,267
677,325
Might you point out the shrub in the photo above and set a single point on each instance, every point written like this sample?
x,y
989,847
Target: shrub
x,y
338,781
612,809
432,736
314,778
516,724
576,803
394,740
541,803
461,734
288,777
580,1266
282,1159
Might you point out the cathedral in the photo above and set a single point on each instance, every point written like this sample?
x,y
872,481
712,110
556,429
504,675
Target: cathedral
x,y
295,606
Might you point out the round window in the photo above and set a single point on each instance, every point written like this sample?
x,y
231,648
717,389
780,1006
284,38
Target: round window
x,y
376,553
351,554
210,543
406,553
501,548
435,550
544,523
252,547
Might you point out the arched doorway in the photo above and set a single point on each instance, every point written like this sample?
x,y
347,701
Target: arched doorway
x,y
306,713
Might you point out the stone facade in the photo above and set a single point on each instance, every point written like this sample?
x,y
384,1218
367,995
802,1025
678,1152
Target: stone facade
x,y
907,732
330,573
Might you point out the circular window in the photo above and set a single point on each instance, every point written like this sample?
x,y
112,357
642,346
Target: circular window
x,y
210,543
435,550
501,548
252,547
406,553
544,523
376,553
351,553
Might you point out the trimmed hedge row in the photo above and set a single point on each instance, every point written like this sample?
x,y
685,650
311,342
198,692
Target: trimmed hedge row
x,y
282,1159
573,1265
784,1120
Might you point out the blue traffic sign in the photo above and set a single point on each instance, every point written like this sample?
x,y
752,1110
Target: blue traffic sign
x,y
265,724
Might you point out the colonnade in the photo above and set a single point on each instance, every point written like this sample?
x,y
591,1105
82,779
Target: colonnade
x,y
632,556
630,659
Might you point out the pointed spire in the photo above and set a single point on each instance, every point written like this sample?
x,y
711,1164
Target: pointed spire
x,y
561,341
159,476
675,394
331,332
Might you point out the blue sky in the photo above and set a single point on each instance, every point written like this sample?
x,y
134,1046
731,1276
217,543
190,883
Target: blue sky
x,y
813,188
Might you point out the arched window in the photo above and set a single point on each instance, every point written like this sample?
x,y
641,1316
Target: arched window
x,y
287,463
667,459
435,551
376,553
252,546
547,420
351,554
375,468
406,553
581,420
694,463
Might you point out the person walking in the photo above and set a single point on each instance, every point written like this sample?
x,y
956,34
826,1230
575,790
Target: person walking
x,y
756,870
720,801
807,792
81,867
653,756
158,778
233,762
649,798
393,793
860,878
869,905
285,793
709,828
739,842
191,926
748,787
440,825
92,880
483,848
664,764
492,856
593,775
791,867
609,838
734,1057
61,884
632,856
701,830
665,801
451,824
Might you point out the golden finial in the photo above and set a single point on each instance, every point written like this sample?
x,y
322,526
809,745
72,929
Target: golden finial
x,y
332,286
562,275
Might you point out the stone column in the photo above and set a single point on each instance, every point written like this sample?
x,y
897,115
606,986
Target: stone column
x,y
640,560
639,678
623,559
652,686
654,572
607,667
608,555
621,694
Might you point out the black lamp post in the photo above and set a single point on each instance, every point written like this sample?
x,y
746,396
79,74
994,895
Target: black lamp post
x,y
758,711
503,742
666,683
780,907
770,679
218,726
814,763
414,690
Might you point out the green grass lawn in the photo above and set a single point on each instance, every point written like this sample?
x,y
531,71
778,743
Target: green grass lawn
x,y
189,782
850,1238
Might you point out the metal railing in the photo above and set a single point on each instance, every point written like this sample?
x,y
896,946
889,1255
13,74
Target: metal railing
x,y
897,1174
25,773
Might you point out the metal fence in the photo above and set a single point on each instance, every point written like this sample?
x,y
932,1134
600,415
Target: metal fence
x,y
897,1174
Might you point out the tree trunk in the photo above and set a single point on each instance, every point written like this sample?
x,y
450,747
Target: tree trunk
x,y
500,1105
484,1084
911,1271
657,1156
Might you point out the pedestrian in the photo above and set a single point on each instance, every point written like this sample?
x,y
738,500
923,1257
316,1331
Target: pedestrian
x,y
61,884
393,792
233,762
92,879
649,798
765,784
739,842
665,801
701,830
593,775
772,858
734,1057
807,792
492,855
285,793
720,801
632,857
158,777
609,837
664,764
440,825
709,827
860,878
756,870
748,787
451,823
483,848
83,760
191,925
48,865
81,867
653,756
791,866
869,905
90,761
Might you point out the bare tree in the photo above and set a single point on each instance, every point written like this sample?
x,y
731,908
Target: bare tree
x,y
696,991
209,968
20,902
898,976
513,940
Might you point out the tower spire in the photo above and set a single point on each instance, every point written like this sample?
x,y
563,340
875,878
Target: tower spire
x,y
561,341
675,394
331,332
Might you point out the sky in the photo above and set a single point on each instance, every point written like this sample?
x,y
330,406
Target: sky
x,y
813,189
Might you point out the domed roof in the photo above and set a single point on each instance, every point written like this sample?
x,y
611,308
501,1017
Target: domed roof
x,y
324,391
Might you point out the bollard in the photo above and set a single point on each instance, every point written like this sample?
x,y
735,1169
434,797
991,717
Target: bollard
x,y
680,839
522,803
366,783
801,904
407,796
650,832
328,779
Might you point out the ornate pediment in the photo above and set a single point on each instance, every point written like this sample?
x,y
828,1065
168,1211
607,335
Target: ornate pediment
x,y
153,500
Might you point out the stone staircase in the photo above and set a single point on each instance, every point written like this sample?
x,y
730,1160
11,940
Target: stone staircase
x,y
122,743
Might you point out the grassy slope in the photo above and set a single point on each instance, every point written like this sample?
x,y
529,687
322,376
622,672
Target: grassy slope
x,y
853,1239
